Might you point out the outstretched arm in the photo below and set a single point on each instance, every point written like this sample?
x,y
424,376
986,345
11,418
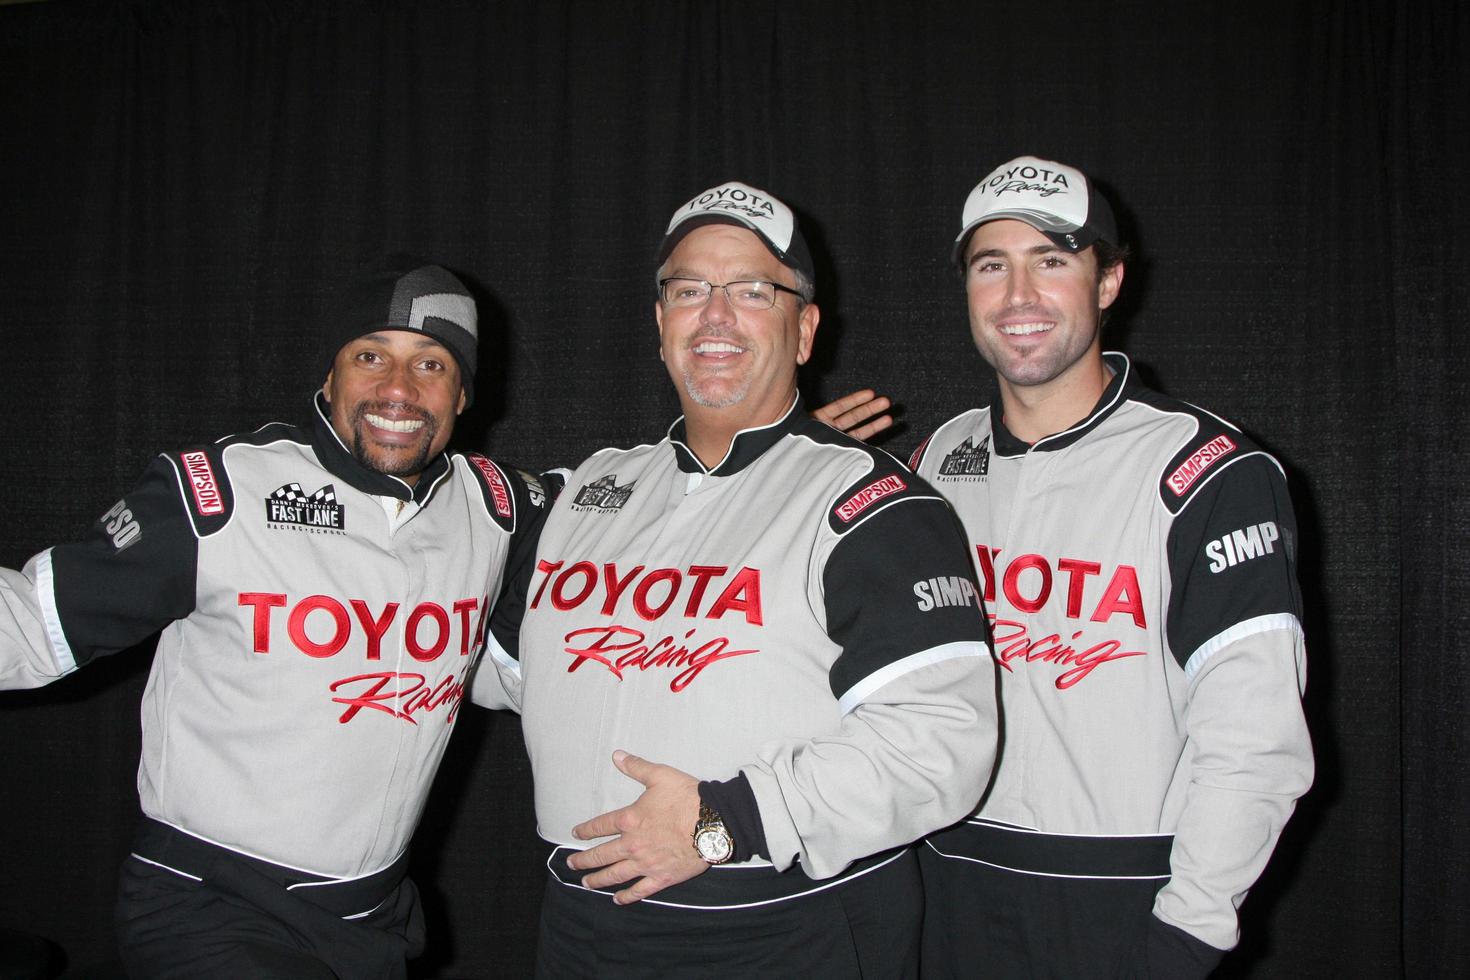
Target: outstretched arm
x,y
128,577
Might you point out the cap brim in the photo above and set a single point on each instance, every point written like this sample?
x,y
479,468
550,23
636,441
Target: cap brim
x,y
683,228
1062,234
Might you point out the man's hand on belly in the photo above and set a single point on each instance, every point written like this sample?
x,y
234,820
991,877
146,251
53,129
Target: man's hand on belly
x,y
652,837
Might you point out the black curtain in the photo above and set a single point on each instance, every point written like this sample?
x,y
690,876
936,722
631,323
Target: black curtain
x,y
183,183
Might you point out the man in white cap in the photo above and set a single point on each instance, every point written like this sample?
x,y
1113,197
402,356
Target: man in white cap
x,y
763,603
323,593
1137,561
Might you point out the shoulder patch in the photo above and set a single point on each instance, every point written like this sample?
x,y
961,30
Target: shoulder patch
x,y
204,486
200,479
535,489
1198,461
495,487
1214,445
884,486
918,454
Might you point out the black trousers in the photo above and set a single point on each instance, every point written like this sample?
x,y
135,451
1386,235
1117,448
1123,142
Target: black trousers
x,y
862,926
220,915
1081,909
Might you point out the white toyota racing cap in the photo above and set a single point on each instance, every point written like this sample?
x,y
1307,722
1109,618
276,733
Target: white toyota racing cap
x,y
1055,199
734,203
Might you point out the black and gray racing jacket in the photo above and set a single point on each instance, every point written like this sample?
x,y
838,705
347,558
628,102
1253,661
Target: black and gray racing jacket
x,y
801,615
319,620
1139,573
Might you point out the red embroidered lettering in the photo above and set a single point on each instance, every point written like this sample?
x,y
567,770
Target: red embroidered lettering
x,y
402,702
207,497
545,568
375,628
1011,583
618,648
1121,596
640,595
1200,460
464,607
986,560
615,586
652,592
868,496
701,575
1012,644
1077,572
742,594
416,650
558,591
341,626
498,491
263,602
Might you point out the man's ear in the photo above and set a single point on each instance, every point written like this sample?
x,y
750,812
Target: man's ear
x,y
658,317
1108,285
327,388
806,326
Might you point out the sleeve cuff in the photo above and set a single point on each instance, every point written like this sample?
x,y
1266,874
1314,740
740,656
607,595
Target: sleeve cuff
x,y
734,801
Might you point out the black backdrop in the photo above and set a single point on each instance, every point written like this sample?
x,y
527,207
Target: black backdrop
x,y
181,183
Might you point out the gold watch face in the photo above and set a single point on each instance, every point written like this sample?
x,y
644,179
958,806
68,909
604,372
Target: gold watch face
x,y
713,844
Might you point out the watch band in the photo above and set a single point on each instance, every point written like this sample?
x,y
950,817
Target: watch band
x,y
712,840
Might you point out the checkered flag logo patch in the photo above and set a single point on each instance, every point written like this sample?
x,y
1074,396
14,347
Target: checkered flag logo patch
x,y
289,504
292,493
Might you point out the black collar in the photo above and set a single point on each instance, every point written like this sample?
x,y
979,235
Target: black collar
x,y
340,462
1115,394
748,445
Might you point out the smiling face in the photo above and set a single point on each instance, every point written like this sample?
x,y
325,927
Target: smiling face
x,y
394,396
1035,307
733,365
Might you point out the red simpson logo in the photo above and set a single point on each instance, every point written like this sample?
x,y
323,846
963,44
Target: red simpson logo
x,y
429,631
695,592
202,482
1029,582
868,496
1200,460
498,491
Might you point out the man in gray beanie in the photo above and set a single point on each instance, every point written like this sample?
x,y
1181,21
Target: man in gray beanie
x,y
323,592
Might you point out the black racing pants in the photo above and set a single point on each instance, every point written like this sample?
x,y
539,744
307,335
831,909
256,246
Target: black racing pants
x,y
1015,904
738,922
1080,909
188,909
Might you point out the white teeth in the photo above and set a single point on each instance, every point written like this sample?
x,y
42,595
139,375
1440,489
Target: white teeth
x,y
394,425
717,347
1022,329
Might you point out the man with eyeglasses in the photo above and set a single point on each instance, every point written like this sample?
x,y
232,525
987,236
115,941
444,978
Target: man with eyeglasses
x,y
762,603
1137,558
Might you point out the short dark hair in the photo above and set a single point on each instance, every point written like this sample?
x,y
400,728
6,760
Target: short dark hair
x,y
1109,255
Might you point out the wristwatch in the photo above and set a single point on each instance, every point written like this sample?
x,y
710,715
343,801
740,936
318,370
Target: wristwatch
x,y
712,842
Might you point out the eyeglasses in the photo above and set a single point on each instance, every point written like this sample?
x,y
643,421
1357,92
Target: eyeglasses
x,y
747,294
